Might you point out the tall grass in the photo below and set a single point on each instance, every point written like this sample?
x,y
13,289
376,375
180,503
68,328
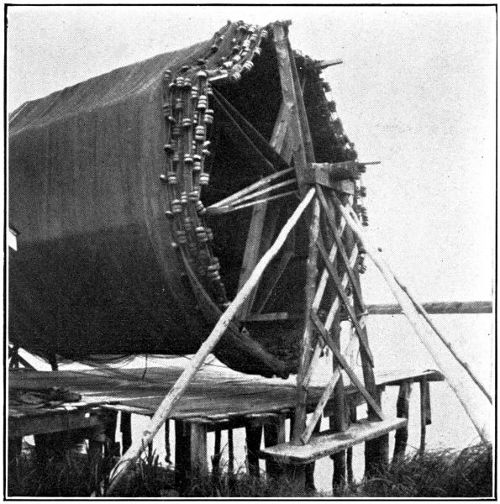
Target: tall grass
x,y
445,473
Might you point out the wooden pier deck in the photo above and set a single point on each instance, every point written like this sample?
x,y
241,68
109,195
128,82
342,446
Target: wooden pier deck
x,y
216,395
217,399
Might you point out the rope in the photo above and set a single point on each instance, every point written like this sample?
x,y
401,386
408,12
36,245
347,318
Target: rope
x,y
245,136
271,153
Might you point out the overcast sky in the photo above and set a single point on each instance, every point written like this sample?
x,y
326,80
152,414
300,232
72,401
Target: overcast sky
x,y
416,91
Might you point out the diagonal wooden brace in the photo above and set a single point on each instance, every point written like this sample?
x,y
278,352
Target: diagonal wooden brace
x,y
331,221
340,289
341,360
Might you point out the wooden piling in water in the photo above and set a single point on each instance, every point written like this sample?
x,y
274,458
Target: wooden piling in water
x,y
253,439
425,411
190,451
402,411
126,430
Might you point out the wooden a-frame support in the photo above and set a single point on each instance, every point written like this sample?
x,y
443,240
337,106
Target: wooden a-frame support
x,y
292,139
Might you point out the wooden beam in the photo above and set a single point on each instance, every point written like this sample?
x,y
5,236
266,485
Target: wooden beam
x,y
331,219
263,182
255,203
290,100
446,343
308,338
275,277
338,284
328,63
325,397
328,174
57,422
254,246
274,316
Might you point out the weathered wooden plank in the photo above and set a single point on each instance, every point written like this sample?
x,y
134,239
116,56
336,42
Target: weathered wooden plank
x,y
58,422
322,445
435,307
212,395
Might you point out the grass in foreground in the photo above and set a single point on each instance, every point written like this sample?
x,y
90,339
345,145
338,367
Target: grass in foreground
x,y
446,473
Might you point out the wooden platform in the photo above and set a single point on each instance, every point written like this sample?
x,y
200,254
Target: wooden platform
x,y
216,396
324,444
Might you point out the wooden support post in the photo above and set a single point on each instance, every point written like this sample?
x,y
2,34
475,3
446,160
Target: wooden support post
x,y
14,451
425,411
168,453
111,448
350,475
376,450
376,455
274,433
126,430
253,440
230,452
309,468
338,421
182,452
97,441
217,453
190,452
308,339
403,409
198,447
